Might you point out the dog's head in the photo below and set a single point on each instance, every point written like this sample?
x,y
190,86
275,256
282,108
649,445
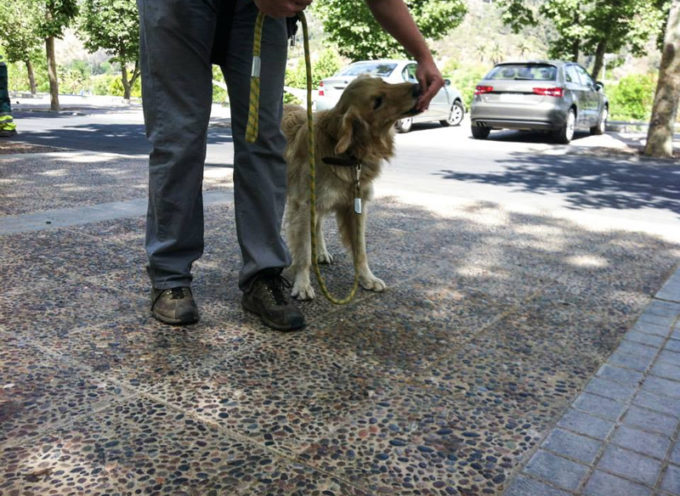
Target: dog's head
x,y
368,109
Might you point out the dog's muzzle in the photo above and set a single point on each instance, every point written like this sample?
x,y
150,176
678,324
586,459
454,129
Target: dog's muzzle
x,y
416,91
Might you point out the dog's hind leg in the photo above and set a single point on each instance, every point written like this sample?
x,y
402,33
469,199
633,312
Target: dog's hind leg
x,y
300,246
352,228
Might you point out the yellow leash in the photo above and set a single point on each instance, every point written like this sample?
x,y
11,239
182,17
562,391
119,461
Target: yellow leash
x,y
251,136
254,102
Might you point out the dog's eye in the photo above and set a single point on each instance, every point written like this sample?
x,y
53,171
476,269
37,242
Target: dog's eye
x,y
377,102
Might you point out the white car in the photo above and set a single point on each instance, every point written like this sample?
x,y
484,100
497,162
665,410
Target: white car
x,y
446,107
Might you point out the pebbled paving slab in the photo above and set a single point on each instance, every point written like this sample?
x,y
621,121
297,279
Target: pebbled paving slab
x,y
512,354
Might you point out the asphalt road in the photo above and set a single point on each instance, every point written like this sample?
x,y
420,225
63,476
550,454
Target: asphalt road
x,y
517,171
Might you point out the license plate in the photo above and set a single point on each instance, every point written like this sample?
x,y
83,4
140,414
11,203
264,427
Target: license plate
x,y
511,97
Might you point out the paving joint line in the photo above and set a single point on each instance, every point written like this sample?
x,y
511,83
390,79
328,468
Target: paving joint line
x,y
236,435
667,458
136,393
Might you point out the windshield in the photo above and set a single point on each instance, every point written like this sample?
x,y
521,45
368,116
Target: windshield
x,y
540,72
381,69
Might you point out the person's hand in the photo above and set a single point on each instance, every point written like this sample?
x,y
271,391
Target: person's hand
x,y
282,8
430,80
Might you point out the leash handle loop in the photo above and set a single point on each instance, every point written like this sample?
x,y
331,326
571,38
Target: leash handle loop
x,y
252,128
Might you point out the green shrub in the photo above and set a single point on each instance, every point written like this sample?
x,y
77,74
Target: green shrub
x,y
219,94
100,84
631,99
115,87
18,76
295,78
327,64
464,78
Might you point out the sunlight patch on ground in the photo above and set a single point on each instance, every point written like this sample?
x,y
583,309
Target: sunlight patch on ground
x,y
55,173
592,261
85,158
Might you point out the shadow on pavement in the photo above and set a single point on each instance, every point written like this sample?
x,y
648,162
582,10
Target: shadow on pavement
x,y
589,182
127,139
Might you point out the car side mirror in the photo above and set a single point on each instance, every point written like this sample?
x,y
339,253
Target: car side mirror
x,y
447,82
599,85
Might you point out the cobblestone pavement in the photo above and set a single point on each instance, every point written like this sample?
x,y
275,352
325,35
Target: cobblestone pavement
x,y
620,435
512,353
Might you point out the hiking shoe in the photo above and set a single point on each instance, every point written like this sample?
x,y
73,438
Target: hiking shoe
x,y
269,297
174,306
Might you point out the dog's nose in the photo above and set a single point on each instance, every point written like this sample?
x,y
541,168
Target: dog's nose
x,y
417,91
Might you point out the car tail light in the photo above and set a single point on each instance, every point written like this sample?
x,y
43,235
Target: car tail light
x,y
558,92
480,90
321,93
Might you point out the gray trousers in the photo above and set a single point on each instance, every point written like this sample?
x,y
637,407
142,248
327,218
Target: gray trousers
x,y
176,42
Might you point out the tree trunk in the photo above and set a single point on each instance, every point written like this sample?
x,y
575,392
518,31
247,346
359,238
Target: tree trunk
x,y
52,73
576,45
31,76
665,109
135,75
599,58
126,82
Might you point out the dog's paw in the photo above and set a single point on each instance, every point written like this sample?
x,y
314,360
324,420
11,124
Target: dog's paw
x,y
325,258
373,284
303,291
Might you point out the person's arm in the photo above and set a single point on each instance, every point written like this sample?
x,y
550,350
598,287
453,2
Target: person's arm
x,y
394,17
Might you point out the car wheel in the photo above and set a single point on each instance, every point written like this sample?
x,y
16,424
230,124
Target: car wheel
x,y
480,132
566,132
404,125
601,125
456,115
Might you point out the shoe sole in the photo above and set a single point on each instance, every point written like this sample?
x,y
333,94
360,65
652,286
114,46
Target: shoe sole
x,y
269,323
176,322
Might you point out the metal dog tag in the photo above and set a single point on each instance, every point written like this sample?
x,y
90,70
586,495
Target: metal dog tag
x,y
357,205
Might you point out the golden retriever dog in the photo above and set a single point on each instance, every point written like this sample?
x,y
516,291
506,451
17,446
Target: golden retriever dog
x,y
358,130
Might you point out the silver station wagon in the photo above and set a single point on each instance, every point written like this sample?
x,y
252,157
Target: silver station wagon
x,y
554,96
446,106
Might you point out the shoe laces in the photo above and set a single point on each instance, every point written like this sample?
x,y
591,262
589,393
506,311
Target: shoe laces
x,y
178,293
279,288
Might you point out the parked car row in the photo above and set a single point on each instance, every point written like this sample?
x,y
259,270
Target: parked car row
x,y
554,96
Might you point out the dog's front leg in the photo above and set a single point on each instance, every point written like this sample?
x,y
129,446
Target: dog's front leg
x,y
300,246
353,228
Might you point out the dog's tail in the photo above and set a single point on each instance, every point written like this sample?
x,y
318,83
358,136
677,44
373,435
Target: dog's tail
x,y
294,117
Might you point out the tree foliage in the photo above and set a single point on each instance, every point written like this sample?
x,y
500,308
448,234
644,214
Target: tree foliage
x,y
357,35
592,27
56,15
18,37
113,25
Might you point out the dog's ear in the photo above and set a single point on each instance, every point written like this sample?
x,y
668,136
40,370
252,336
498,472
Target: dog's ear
x,y
351,127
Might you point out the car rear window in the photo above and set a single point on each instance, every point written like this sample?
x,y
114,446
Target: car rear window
x,y
374,69
540,72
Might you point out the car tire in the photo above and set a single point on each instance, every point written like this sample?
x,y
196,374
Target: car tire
x,y
601,125
456,114
565,133
404,125
480,132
